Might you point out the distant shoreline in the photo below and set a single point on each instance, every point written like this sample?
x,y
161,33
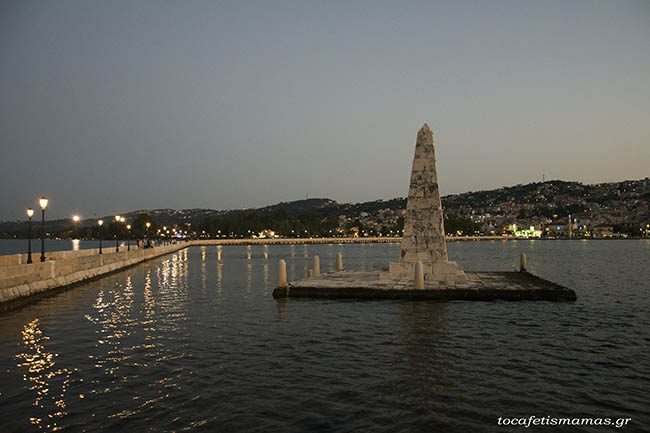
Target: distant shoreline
x,y
343,240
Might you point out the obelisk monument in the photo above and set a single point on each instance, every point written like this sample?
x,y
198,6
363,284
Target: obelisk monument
x,y
424,232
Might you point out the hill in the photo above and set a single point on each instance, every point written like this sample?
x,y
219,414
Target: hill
x,y
624,202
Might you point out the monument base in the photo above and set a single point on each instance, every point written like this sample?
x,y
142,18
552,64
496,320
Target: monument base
x,y
439,271
481,286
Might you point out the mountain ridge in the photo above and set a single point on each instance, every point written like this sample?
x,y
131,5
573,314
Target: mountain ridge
x,y
535,199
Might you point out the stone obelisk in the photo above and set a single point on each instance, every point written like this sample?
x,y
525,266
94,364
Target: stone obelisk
x,y
424,231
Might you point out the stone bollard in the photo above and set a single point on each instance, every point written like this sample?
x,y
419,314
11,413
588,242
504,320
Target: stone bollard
x,y
523,266
419,275
316,266
339,262
310,273
282,273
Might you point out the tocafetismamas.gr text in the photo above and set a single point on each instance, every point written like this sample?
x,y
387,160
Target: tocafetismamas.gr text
x,y
533,420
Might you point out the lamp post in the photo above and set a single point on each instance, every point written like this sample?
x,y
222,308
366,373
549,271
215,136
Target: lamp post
x,y
43,202
117,246
100,222
76,222
30,214
128,238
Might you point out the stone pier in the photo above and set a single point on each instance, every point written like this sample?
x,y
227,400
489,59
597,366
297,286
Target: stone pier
x,y
22,282
480,286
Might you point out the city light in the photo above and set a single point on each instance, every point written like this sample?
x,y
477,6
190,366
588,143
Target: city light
x,y
101,223
30,214
43,202
117,245
128,239
76,219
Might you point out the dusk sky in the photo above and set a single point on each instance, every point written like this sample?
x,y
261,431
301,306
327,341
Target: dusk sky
x,y
110,106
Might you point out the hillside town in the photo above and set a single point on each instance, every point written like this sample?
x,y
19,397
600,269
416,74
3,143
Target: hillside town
x,y
551,209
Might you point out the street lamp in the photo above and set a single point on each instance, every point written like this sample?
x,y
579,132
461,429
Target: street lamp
x,y
76,222
128,239
100,222
30,214
43,202
117,246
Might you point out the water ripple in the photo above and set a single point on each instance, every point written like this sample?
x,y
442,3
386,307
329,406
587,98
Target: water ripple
x,y
194,342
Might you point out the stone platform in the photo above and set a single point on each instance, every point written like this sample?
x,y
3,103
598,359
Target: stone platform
x,y
480,286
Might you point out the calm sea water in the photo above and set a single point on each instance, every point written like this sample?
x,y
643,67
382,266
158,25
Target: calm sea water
x,y
19,246
194,342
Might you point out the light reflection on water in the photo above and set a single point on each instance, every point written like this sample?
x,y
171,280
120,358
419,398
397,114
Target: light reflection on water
x,y
219,278
292,272
194,341
131,339
249,275
266,278
203,268
47,384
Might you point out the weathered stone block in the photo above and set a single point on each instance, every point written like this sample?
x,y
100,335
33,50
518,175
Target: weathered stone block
x,y
444,268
